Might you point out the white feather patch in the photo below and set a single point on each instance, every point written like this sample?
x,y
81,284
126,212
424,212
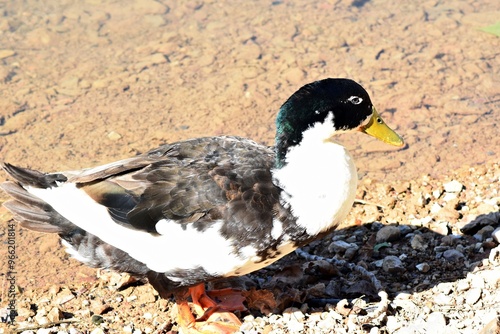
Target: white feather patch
x,y
177,247
319,178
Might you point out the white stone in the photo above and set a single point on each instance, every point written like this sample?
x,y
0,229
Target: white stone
x,y
453,187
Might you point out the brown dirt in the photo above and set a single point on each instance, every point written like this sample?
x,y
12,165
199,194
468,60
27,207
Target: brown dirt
x,y
88,82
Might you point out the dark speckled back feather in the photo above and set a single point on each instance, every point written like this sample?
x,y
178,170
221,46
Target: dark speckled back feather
x,y
197,181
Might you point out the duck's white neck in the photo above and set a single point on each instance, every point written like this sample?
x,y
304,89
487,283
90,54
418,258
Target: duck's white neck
x,y
319,180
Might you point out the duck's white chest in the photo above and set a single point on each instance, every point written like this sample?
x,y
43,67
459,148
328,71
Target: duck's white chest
x,y
319,184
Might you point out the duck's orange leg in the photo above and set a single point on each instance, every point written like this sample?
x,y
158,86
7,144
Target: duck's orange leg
x,y
212,308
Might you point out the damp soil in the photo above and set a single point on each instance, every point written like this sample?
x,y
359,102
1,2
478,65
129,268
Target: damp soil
x,y
88,82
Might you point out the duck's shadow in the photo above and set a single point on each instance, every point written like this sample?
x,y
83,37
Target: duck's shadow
x,y
336,267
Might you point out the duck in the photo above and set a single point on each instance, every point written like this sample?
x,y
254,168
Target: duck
x,y
210,208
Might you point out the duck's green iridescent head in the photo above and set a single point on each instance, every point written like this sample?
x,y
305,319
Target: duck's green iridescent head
x,y
342,102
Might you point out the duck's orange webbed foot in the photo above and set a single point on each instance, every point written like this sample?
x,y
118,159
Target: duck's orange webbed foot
x,y
213,309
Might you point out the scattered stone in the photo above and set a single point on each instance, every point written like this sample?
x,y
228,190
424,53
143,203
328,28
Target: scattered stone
x,y
445,288
484,233
442,299
131,298
114,135
435,320
463,285
41,316
435,208
453,187
340,246
418,243
496,235
423,267
388,233
25,312
55,315
440,227
97,330
476,281
393,265
97,319
405,229
128,329
447,214
437,193
393,324
473,296
63,297
453,255
450,240
44,331
6,53
99,307
449,197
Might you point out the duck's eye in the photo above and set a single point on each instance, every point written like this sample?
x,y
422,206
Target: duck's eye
x,y
379,120
355,99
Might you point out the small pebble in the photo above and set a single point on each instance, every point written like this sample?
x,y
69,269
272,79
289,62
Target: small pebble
x,y
341,246
450,240
435,320
97,319
442,299
484,233
44,331
6,53
393,265
388,233
393,324
114,136
453,187
97,330
496,235
449,196
440,227
293,313
435,208
453,255
55,315
437,193
445,287
473,296
418,243
405,229
423,267
463,285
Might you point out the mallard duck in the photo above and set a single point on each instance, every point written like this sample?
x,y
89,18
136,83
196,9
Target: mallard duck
x,y
208,208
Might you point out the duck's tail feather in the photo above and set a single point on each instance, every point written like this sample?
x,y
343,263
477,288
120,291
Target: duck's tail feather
x,y
29,210
33,213
29,177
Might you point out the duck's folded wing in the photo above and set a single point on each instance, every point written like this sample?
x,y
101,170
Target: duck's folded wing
x,y
190,182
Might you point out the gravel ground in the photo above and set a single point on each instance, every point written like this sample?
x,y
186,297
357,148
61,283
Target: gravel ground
x,y
413,257
88,82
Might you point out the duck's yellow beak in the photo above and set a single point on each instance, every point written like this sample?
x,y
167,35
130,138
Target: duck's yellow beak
x,y
377,128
